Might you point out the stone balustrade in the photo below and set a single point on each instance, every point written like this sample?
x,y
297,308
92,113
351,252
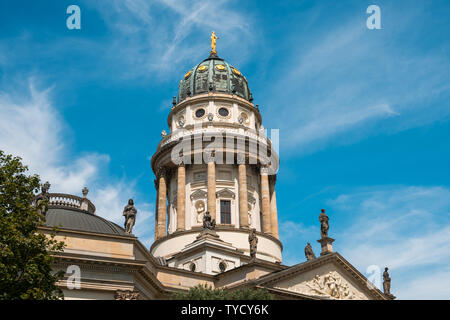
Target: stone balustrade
x,y
62,200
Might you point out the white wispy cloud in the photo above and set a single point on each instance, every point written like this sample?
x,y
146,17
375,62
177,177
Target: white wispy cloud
x,y
341,85
31,127
406,228
160,38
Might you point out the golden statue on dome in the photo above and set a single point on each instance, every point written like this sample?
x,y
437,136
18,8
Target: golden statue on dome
x,y
213,43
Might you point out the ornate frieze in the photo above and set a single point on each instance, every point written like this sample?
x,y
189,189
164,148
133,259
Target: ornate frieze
x,y
330,285
126,295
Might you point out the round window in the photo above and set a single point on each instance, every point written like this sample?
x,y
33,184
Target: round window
x,y
200,113
222,266
224,112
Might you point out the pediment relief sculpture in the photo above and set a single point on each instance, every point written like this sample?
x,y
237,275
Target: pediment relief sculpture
x,y
330,285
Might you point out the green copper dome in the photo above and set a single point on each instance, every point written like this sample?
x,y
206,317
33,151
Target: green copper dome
x,y
214,75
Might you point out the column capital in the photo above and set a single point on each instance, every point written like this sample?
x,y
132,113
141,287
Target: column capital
x,y
210,155
264,169
161,172
241,158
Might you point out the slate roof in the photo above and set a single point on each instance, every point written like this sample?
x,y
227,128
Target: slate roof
x,y
78,220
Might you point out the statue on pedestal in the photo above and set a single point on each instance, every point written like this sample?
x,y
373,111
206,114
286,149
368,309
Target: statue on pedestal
x,y
309,253
386,282
130,216
41,200
207,222
324,225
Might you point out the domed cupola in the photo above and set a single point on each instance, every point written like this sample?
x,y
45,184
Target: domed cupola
x,y
214,75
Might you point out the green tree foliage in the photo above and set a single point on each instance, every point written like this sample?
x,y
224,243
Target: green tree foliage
x,y
205,292
25,260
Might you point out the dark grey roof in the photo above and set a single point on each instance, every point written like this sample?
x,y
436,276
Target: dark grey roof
x,y
214,75
83,221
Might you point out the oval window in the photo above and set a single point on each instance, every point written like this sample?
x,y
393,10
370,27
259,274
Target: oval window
x,y
224,112
222,266
200,113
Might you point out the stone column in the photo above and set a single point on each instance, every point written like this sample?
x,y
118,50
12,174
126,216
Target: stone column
x,y
162,203
265,196
273,209
181,198
243,202
156,209
212,188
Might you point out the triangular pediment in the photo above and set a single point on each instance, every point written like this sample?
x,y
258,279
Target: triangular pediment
x,y
199,194
327,277
225,193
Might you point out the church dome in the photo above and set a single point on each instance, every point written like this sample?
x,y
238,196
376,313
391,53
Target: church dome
x,y
214,75
72,212
72,219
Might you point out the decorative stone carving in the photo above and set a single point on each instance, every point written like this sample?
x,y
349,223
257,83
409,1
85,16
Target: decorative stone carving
x,y
130,216
330,285
251,198
198,194
253,241
309,253
163,133
126,295
200,208
225,193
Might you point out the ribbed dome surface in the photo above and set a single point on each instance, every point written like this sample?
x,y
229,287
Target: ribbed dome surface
x,y
82,221
214,75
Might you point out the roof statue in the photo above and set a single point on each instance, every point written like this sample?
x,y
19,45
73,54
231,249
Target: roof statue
x,y
253,241
85,192
45,187
41,201
324,225
213,43
325,241
387,283
130,216
309,253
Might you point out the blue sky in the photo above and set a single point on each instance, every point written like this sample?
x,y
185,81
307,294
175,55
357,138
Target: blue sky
x,y
364,115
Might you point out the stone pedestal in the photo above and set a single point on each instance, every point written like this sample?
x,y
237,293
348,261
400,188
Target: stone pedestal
x,y
326,244
208,233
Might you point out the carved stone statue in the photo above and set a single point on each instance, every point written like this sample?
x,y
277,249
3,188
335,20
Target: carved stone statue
x,y
207,222
309,253
324,225
330,285
253,241
386,282
163,133
213,43
200,206
130,216
45,187
41,200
